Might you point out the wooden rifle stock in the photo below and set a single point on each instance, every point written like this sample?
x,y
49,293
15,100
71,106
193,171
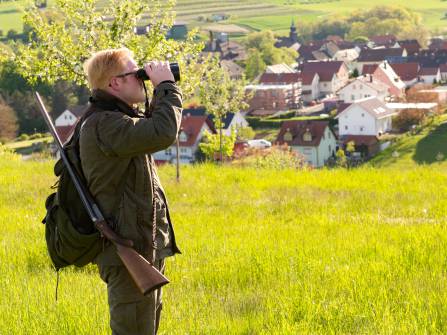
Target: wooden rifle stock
x,y
146,276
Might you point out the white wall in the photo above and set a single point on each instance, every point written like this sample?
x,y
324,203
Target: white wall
x,y
356,121
67,118
358,90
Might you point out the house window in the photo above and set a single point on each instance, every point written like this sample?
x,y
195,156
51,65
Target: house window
x,y
65,117
353,97
346,127
363,114
168,152
330,148
183,137
362,128
183,150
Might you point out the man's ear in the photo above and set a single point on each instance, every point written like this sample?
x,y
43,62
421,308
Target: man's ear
x,y
114,83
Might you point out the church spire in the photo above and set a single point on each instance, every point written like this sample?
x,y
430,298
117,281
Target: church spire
x,y
293,34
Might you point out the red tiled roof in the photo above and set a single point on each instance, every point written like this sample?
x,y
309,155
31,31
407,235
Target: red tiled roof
x,y
307,78
369,68
428,71
406,71
412,46
192,125
324,66
64,132
279,78
360,139
383,39
443,68
298,128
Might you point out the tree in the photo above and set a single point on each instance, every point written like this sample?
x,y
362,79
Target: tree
x,y
264,42
76,29
341,158
8,122
220,95
213,144
254,64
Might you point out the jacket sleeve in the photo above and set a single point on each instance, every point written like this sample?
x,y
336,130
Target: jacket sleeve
x,y
123,136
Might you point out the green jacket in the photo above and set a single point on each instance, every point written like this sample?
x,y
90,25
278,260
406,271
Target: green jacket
x,y
116,144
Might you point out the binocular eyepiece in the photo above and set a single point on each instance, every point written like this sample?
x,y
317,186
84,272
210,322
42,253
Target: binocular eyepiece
x,y
175,69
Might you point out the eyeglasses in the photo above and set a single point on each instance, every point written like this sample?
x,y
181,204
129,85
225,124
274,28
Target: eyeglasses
x,y
126,74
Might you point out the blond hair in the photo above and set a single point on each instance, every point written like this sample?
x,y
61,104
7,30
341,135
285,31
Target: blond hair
x,y
104,65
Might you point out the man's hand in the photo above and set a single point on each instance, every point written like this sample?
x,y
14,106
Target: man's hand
x,y
158,72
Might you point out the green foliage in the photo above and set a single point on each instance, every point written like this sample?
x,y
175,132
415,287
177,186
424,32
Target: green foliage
x,y
212,145
341,160
264,43
275,158
76,29
254,65
245,133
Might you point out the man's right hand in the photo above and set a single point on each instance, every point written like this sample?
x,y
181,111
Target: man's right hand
x,y
158,72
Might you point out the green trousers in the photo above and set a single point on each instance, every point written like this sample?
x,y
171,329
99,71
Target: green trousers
x,y
131,313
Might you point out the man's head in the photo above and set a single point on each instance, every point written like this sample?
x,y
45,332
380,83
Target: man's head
x,y
113,71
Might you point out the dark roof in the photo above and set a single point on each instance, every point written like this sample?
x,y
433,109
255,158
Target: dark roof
x,y
443,67
406,71
325,69
279,78
369,68
202,112
307,78
378,55
298,128
78,111
412,46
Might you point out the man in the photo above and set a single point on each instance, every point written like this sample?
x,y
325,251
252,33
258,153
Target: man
x,y
116,143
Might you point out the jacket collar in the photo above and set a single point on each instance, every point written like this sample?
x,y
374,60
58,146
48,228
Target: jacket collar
x,y
107,101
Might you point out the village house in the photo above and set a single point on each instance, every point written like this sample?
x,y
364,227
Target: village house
x,y
429,75
333,75
363,87
231,121
275,92
377,56
191,132
412,47
367,117
387,40
310,87
407,72
234,70
290,41
66,122
384,72
313,140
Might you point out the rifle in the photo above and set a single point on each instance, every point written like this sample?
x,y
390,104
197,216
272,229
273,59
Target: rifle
x,y
146,277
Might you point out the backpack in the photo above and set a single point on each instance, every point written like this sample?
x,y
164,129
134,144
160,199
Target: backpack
x,y
71,236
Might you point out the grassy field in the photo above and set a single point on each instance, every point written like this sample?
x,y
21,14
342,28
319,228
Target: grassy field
x,y
425,148
264,252
264,14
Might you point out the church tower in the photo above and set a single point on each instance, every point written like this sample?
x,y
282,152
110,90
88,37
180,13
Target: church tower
x,y
293,36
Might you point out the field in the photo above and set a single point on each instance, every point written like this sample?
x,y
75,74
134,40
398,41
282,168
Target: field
x,y
264,14
359,251
427,147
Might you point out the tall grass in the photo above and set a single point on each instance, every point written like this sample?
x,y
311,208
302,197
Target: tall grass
x,y
264,252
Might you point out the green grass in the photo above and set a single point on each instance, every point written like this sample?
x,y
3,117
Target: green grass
x,y
24,144
264,252
419,149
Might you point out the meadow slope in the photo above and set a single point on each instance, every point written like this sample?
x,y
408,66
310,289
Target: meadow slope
x,y
264,252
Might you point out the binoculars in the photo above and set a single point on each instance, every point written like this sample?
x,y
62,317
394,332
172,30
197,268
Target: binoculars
x,y
175,69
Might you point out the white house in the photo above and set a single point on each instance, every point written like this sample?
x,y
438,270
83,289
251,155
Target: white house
x,y
363,87
310,86
430,75
191,132
67,118
313,140
369,117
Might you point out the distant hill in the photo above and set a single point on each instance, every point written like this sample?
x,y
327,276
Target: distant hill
x,y
429,147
